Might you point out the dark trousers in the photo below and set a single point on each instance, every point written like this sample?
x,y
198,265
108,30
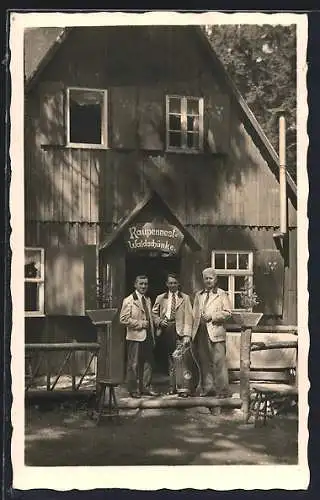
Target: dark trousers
x,y
171,341
213,364
139,364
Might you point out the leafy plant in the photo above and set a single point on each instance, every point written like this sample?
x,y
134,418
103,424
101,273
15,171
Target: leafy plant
x,y
104,299
262,62
248,296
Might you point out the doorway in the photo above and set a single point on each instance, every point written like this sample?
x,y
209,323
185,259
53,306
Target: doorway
x,y
156,267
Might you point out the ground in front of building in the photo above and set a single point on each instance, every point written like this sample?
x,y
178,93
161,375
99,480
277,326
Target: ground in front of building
x,y
60,435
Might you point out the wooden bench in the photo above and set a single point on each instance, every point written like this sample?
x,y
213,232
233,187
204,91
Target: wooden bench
x,y
270,399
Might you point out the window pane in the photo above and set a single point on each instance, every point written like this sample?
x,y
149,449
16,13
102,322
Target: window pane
x,y
31,296
192,140
193,123
231,261
237,301
175,139
223,282
32,266
239,282
175,105
219,261
174,122
193,106
243,261
85,116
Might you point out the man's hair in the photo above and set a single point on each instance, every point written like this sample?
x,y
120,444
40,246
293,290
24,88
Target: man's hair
x,y
173,275
141,277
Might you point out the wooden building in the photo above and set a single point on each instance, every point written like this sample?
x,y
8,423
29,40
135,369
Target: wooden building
x,y
142,156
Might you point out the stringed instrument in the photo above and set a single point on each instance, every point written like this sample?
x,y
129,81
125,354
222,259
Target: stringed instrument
x,y
187,369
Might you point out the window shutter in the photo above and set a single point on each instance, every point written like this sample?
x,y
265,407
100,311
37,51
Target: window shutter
x,y
52,115
69,277
269,281
216,122
123,119
151,123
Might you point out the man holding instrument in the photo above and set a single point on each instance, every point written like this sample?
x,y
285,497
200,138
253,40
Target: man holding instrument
x,y
172,314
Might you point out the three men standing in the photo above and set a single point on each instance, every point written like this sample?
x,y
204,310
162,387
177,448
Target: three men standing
x,y
174,318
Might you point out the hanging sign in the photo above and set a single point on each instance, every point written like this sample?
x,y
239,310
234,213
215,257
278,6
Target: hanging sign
x,y
154,237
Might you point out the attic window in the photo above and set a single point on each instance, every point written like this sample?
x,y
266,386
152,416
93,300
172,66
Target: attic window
x,y
86,117
184,119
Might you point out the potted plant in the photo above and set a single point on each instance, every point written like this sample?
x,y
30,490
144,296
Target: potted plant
x,y
248,301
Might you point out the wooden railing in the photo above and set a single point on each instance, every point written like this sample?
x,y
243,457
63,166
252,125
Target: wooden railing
x,y
69,349
245,358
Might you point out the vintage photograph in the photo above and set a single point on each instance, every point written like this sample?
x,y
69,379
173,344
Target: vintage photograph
x,y
161,228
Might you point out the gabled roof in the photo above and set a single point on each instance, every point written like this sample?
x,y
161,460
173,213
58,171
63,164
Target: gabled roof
x,y
248,117
151,193
40,46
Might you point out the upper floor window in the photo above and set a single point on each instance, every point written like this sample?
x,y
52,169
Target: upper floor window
x,y
184,123
34,281
86,117
233,268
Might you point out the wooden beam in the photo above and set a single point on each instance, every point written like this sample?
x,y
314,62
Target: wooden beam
x,y
64,346
293,329
245,345
261,346
176,402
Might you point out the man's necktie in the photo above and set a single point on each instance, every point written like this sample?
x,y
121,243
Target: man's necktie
x,y
145,307
173,307
206,300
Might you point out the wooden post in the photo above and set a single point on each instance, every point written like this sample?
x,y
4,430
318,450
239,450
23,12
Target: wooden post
x,y
73,367
245,351
48,370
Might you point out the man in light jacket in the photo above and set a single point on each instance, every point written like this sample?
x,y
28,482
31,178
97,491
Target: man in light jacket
x,y
172,314
211,309
136,315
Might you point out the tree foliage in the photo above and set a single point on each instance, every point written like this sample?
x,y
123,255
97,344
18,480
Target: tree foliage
x,y
262,62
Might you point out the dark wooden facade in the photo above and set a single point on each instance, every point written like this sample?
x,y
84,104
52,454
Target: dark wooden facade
x,y
226,197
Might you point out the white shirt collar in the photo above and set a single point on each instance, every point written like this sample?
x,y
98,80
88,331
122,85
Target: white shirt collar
x,y
139,295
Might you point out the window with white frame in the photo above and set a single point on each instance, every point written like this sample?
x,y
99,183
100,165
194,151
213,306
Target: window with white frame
x,y
233,269
184,123
34,281
86,119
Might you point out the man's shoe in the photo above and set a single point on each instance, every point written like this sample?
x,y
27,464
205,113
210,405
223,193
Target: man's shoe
x,y
150,392
223,396
171,391
135,395
183,394
208,394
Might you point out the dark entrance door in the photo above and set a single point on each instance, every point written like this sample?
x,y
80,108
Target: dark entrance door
x,y
156,268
